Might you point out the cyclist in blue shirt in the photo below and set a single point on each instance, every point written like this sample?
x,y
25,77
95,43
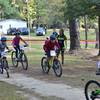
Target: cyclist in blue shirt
x,y
3,45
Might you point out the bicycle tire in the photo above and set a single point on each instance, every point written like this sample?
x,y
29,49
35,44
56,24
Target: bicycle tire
x,y
5,66
45,65
57,68
87,87
14,61
24,61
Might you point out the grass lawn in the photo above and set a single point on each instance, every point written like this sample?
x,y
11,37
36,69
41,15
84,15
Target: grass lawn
x,y
8,92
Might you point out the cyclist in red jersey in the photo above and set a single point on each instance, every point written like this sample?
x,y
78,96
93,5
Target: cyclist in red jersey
x,y
51,44
16,42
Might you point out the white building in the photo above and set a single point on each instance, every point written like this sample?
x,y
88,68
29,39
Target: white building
x,y
11,23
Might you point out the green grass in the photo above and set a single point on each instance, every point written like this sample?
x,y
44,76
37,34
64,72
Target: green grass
x,y
8,92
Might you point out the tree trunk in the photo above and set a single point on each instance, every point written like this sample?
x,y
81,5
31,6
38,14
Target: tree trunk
x,y
99,35
74,35
86,30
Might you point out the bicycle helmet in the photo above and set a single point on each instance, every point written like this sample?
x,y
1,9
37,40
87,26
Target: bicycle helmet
x,y
3,39
17,33
52,37
55,34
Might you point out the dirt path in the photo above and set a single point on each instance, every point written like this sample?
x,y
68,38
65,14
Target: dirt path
x,y
42,88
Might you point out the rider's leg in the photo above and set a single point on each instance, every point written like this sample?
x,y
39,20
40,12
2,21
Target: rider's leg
x,y
0,59
62,56
16,49
58,53
51,61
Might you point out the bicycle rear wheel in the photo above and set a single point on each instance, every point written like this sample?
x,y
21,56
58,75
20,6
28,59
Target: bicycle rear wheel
x,y
57,68
90,89
45,65
24,61
5,66
14,61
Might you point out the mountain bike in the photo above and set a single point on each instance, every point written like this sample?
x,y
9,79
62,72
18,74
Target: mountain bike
x,y
22,58
4,63
92,90
56,64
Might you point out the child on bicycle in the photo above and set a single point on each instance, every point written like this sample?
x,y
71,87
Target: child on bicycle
x,y
50,45
16,42
62,40
3,45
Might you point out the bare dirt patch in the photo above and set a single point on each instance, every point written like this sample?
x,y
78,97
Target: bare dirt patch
x,y
77,70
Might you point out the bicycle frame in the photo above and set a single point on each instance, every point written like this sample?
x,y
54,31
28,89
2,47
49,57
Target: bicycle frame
x,y
22,48
3,54
95,94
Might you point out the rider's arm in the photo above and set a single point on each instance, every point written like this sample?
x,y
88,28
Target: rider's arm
x,y
57,44
23,41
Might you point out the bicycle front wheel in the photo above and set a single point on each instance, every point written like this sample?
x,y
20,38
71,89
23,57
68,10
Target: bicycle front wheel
x,y
90,90
5,66
45,65
57,68
24,61
14,60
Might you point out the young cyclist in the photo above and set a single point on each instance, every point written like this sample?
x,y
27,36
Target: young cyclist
x,y
3,45
50,45
62,40
16,42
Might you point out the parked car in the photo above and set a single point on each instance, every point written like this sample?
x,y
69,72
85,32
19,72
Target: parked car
x,y
11,31
40,31
24,31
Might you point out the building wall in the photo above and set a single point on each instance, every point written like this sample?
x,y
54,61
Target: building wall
x,y
11,23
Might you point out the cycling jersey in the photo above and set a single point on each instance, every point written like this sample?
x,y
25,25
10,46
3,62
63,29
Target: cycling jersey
x,y
2,46
61,39
16,40
50,45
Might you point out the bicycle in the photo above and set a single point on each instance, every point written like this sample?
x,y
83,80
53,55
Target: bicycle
x,y
92,90
22,58
4,63
56,64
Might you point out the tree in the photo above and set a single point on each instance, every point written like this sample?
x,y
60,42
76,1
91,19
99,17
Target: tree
x,y
76,8
6,9
71,15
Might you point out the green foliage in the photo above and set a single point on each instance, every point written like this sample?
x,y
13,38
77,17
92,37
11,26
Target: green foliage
x,y
7,10
76,8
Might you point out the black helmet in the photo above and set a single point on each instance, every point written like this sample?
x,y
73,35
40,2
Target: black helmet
x,y
17,33
3,39
52,37
55,34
